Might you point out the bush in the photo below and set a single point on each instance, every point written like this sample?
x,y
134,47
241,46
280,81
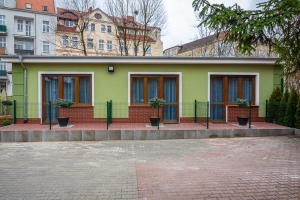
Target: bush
x,y
6,122
289,118
282,107
297,115
64,103
274,104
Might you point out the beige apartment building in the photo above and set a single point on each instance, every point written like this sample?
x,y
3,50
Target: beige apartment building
x,y
101,36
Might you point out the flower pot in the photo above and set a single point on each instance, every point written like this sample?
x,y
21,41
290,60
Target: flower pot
x,y
63,121
243,121
154,121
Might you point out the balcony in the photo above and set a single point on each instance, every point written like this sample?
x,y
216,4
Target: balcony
x,y
3,72
3,30
24,52
2,50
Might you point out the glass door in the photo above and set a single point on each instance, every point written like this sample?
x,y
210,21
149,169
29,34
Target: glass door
x,y
50,94
170,108
217,105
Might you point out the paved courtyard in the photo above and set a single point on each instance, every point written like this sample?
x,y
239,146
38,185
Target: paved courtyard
x,y
236,168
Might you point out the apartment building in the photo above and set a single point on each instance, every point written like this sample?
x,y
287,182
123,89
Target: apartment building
x,y
26,28
101,35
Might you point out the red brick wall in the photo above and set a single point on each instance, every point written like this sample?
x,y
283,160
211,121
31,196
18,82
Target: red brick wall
x,y
78,114
235,111
142,114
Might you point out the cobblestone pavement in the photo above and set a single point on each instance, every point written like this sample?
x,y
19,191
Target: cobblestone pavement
x,y
237,168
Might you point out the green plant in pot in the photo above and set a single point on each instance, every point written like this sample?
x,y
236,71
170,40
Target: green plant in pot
x,y
5,102
242,119
156,103
63,103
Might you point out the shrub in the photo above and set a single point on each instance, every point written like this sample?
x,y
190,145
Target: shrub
x,y
282,107
297,115
289,118
6,122
64,103
274,104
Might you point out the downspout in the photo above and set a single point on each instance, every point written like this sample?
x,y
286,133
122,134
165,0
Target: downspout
x,y
25,99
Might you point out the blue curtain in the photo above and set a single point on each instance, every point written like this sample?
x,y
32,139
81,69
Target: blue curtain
x,y
170,111
152,88
69,88
84,90
233,90
138,90
217,96
247,89
51,87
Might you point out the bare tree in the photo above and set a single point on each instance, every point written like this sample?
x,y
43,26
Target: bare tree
x,y
82,9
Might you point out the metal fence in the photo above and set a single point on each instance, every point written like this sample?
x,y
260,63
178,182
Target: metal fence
x,y
8,110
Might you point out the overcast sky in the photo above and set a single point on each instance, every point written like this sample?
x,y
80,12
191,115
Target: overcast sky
x,y
182,21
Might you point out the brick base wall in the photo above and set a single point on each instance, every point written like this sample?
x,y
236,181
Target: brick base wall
x,y
235,111
142,114
78,114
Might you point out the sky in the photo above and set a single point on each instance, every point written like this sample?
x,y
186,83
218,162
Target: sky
x,y
182,22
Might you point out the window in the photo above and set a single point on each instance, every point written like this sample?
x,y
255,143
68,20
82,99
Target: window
x,y
121,47
98,16
109,45
75,42
69,23
1,2
65,41
136,49
69,88
46,26
101,44
28,28
149,50
90,43
103,28
93,27
109,29
84,90
2,19
46,47
28,6
45,8
2,42
20,25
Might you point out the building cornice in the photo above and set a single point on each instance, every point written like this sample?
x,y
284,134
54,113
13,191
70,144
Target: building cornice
x,y
28,11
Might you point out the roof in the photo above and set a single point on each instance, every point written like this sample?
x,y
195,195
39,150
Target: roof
x,y
138,60
37,5
62,11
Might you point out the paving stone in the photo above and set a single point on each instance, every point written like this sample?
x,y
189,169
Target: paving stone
x,y
75,136
88,135
8,136
21,136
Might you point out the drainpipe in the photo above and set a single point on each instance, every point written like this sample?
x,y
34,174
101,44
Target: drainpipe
x,y
25,109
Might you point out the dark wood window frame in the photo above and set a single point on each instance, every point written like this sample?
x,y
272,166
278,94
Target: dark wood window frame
x,y
76,103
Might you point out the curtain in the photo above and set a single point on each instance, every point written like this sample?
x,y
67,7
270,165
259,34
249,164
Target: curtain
x,y
84,90
217,99
170,111
138,90
152,88
69,88
233,90
247,89
51,86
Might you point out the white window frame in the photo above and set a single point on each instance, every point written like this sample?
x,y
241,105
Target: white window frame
x,y
2,20
47,8
47,45
109,45
74,42
28,28
103,28
46,26
2,41
109,29
65,41
28,6
101,44
90,43
20,26
69,23
93,27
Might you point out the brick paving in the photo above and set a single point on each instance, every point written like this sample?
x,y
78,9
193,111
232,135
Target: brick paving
x,y
236,168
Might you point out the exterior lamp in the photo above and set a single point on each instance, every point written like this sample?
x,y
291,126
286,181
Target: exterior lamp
x,y
111,68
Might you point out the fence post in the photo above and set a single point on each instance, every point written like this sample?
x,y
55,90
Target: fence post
x,y
207,116
267,105
15,112
250,114
195,111
50,115
108,113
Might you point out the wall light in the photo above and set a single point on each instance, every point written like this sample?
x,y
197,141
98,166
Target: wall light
x,y
111,68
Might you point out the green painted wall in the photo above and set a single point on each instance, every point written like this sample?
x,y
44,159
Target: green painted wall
x,y
114,86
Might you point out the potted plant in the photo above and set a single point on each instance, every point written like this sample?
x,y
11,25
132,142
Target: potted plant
x,y
5,102
242,119
156,103
62,120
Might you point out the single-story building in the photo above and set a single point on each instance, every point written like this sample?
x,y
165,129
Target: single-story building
x,y
130,82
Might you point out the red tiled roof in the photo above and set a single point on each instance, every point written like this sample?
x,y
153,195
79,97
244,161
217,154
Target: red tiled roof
x,y
37,5
61,13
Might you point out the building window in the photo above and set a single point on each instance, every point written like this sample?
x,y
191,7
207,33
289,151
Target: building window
x,y
1,2
20,25
69,23
2,19
28,28
93,27
103,28
121,47
46,47
90,43
2,42
149,50
109,29
101,44
45,8
28,6
46,26
75,42
65,41
138,90
109,45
